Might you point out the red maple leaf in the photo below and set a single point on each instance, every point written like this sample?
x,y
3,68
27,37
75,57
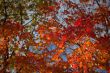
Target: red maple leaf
x,y
51,8
78,22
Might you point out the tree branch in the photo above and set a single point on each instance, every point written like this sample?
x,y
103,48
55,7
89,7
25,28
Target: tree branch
x,y
21,19
5,11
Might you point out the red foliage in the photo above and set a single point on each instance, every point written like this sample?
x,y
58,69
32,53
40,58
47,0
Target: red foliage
x,y
51,8
78,22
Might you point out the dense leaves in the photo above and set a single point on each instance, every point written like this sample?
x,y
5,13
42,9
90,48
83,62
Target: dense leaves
x,y
54,36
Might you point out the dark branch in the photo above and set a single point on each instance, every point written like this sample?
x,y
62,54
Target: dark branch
x,y
5,11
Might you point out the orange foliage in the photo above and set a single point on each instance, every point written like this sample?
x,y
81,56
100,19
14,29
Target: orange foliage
x,y
27,52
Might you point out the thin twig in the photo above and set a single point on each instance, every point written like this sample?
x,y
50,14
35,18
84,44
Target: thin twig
x,y
97,3
21,19
28,22
5,10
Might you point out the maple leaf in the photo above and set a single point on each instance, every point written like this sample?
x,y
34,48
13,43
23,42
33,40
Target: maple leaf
x,y
74,66
78,22
51,8
64,38
61,44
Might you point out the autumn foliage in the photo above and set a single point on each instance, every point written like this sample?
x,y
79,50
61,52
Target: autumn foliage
x,y
64,37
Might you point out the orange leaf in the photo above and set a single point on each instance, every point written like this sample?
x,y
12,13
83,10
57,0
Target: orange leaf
x,y
74,66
